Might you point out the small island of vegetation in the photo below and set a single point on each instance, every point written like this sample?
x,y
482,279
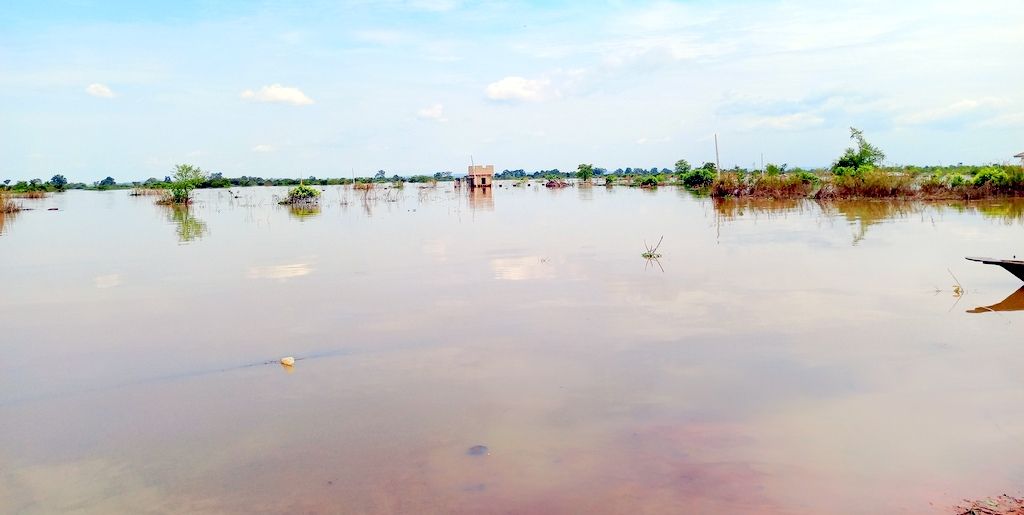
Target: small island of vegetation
x,y
301,195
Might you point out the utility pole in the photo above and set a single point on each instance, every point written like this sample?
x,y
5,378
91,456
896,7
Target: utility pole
x,y
718,164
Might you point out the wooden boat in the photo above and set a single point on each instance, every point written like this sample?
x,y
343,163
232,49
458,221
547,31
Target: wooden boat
x,y
1014,266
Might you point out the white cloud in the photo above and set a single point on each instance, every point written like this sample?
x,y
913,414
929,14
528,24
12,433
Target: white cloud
x,y
1004,121
948,112
277,93
794,121
99,90
520,89
263,148
434,112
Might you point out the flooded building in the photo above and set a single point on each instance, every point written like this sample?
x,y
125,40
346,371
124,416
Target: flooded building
x,y
480,176
1021,157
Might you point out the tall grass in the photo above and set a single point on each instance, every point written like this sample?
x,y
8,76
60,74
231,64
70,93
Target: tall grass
x,y
7,205
31,194
146,192
872,184
868,183
789,185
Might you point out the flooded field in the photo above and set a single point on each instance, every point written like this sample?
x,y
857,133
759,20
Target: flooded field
x,y
507,352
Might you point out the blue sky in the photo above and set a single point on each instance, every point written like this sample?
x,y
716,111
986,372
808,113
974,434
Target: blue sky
x,y
279,89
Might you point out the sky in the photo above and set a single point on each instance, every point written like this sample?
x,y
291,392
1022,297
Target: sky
x,y
340,88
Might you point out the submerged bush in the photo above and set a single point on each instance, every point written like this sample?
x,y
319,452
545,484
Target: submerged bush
x,y
698,177
302,194
186,178
646,181
727,185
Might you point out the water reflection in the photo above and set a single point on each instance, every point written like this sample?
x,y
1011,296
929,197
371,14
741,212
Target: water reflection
x,y
303,211
481,199
862,215
728,209
188,226
281,272
585,191
6,218
522,268
1008,212
728,383
1014,302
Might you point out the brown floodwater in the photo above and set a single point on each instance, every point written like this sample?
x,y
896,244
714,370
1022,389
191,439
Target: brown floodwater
x,y
780,357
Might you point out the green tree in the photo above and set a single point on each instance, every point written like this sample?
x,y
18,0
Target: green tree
x,y
108,182
186,178
682,166
59,182
585,172
855,161
380,176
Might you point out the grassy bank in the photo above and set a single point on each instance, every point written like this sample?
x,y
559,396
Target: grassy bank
x,y
903,183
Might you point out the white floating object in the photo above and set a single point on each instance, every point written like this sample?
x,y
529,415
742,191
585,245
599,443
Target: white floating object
x,y
288,361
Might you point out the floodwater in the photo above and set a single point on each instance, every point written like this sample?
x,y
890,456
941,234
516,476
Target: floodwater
x,y
507,351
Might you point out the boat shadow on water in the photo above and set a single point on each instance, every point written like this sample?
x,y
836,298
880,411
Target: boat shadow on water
x,y
1014,302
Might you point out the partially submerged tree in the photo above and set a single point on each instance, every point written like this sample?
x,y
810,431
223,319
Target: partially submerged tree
x,y
857,161
585,172
186,178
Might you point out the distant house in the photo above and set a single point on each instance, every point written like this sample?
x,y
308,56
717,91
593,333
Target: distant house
x,y
480,176
1021,157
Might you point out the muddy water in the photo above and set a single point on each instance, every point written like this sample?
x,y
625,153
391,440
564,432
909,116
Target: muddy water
x,y
786,357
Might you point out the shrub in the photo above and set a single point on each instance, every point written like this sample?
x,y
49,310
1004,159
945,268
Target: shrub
x,y
301,194
698,177
646,181
779,186
991,176
807,177
726,185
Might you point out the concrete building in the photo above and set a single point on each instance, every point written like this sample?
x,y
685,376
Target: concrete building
x,y
480,176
